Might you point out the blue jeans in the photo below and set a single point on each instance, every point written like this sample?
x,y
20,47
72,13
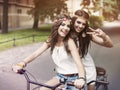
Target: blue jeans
x,y
68,79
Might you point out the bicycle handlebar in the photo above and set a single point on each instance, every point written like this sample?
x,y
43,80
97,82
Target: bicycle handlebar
x,y
62,81
99,82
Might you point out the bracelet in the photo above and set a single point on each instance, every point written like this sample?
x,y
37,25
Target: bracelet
x,y
82,78
21,64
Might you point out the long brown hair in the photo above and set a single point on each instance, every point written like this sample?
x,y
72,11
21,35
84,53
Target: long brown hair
x,y
83,41
53,38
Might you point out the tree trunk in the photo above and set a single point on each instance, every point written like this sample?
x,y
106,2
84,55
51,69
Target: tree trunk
x,y
5,17
36,20
35,24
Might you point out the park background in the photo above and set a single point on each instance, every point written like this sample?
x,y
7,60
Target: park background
x,y
18,19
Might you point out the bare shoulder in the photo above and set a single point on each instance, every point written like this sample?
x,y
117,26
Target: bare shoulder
x,y
71,43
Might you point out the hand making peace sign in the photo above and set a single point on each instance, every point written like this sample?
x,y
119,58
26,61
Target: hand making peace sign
x,y
97,32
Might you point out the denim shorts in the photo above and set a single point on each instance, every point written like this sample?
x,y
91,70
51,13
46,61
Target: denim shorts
x,y
68,79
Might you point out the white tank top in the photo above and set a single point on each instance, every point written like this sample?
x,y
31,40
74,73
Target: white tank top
x,y
88,61
64,61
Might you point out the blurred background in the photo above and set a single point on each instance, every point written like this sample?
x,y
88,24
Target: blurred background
x,y
33,13
25,23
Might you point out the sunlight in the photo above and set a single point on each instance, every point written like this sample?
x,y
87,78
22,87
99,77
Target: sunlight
x,y
73,5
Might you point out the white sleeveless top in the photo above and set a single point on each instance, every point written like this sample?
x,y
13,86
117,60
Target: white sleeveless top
x,y
88,60
89,67
64,61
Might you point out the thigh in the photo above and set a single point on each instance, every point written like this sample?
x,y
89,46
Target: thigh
x,y
51,82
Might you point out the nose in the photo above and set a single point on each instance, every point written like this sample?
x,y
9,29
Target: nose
x,y
80,25
66,28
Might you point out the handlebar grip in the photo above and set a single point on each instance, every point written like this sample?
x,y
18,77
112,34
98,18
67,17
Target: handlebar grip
x,y
21,71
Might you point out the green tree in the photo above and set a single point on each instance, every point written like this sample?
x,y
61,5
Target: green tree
x,y
86,5
47,8
118,4
110,9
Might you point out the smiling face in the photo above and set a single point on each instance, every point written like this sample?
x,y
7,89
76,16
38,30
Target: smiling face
x,y
80,24
64,28
80,21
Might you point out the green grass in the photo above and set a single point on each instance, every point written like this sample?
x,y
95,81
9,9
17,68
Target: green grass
x,y
40,35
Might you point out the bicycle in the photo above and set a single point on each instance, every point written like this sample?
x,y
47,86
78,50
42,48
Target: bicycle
x,y
29,81
100,84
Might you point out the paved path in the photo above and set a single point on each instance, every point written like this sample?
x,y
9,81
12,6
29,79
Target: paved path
x,y
13,55
12,81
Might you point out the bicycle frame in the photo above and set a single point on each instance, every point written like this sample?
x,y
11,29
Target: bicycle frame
x,y
62,82
104,85
36,83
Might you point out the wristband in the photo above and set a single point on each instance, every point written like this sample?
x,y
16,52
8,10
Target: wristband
x,y
82,78
21,64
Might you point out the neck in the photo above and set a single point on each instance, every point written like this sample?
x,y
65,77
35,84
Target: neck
x,y
60,41
76,33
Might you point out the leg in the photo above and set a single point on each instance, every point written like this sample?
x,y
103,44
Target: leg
x,y
91,87
51,82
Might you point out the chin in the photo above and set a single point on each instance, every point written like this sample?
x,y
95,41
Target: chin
x,y
78,31
63,35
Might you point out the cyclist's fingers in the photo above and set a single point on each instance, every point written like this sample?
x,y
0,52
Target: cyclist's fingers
x,y
77,85
15,68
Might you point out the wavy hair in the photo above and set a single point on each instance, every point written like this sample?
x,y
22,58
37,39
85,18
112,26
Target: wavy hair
x,y
83,41
53,38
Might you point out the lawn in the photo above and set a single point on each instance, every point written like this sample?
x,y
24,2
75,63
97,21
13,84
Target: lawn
x,y
23,37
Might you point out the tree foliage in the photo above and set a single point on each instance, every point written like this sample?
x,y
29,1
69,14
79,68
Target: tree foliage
x,y
110,8
47,8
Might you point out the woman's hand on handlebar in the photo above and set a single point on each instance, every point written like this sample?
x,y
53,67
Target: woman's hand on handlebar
x,y
79,83
18,67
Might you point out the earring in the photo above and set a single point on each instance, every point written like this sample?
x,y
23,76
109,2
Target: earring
x,y
83,34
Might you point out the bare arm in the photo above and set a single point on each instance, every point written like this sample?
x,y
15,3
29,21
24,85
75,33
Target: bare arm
x,y
100,37
76,57
30,58
38,52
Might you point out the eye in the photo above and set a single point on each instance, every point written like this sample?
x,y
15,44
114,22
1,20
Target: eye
x,y
78,22
84,24
68,26
81,23
63,24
